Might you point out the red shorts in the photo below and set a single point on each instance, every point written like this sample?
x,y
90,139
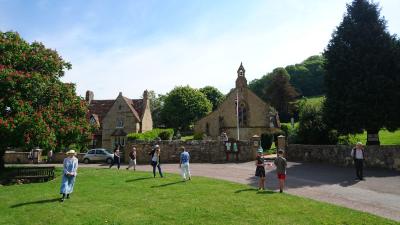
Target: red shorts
x,y
281,176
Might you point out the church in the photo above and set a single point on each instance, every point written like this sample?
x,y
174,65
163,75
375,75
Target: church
x,y
241,115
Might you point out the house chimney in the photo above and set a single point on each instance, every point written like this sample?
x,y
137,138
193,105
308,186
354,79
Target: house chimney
x,y
145,95
89,96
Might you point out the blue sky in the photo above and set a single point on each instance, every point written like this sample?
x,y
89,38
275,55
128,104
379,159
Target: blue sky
x,y
130,46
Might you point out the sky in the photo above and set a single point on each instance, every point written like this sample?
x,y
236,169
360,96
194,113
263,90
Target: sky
x,y
129,46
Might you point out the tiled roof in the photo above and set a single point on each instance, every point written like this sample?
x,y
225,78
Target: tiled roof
x,y
100,108
132,108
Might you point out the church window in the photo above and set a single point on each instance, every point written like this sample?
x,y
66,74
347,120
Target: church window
x,y
243,114
207,128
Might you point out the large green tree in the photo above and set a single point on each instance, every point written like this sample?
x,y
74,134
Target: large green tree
x,y
280,93
307,77
36,108
183,106
213,95
362,80
156,105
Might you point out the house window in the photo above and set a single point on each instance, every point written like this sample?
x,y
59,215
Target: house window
x,y
92,120
120,123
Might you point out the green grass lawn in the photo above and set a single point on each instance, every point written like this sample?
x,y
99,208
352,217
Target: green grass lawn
x,y
386,137
104,196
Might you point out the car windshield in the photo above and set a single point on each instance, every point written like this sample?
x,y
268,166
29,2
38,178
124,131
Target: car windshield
x,y
107,151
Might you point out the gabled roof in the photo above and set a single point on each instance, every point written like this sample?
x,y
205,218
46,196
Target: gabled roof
x,y
131,105
100,108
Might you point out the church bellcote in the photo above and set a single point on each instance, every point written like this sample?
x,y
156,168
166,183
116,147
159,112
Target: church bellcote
x,y
241,79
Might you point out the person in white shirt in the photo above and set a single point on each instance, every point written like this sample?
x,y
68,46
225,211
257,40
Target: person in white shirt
x,y
184,164
358,156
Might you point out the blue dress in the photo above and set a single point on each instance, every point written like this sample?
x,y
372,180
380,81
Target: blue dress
x,y
67,183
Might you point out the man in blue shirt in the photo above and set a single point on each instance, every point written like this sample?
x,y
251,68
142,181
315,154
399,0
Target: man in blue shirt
x,y
184,164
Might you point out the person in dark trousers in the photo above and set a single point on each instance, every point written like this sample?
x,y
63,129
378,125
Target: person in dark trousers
x,y
132,159
260,170
117,158
281,165
358,156
155,160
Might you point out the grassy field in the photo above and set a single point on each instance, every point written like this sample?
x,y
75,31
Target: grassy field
x,y
386,137
104,196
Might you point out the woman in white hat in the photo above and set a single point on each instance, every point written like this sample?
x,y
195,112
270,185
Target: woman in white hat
x,y
69,174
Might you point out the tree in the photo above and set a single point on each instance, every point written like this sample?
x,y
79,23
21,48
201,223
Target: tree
x,y
183,106
213,95
312,128
280,92
156,105
362,80
258,86
36,108
307,77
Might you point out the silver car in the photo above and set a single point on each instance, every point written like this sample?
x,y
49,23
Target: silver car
x,y
97,155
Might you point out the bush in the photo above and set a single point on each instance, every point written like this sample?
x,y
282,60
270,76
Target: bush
x,y
198,136
164,134
312,129
266,140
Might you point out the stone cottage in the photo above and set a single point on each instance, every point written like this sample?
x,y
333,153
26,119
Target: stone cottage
x,y
254,116
118,117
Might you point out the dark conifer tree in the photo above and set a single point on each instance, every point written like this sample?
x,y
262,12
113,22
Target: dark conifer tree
x,y
362,80
280,92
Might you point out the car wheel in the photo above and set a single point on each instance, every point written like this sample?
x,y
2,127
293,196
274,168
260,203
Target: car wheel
x,y
86,161
109,160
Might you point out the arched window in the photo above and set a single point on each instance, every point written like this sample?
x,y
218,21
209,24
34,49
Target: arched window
x,y
243,114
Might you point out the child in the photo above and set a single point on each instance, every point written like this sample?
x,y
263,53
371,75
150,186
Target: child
x,y
184,164
260,170
280,164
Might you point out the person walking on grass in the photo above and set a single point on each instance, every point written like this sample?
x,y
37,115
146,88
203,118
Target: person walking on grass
x,y
358,156
117,158
281,165
184,164
132,159
155,160
260,169
69,174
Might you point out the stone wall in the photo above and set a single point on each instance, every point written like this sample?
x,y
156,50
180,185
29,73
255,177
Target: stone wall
x,y
200,151
376,156
22,157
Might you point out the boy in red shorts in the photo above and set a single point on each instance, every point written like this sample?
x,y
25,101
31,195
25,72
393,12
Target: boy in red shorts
x,y
280,164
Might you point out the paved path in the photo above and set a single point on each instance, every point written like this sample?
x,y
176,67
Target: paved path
x,y
379,194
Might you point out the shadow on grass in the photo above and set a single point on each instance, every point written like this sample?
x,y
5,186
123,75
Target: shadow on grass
x,y
254,190
168,184
36,202
139,179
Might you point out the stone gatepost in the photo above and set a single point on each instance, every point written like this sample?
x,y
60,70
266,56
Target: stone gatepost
x,y
281,142
254,147
37,155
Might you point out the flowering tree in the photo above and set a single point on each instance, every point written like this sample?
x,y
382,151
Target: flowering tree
x,y
36,108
